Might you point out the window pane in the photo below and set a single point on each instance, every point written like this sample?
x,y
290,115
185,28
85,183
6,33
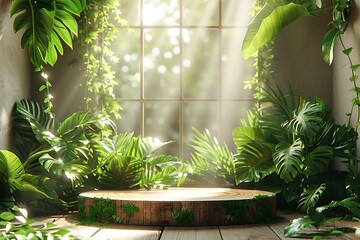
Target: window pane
x,y
161,63
200,12
231,113
201,63
127,48
130,118
161,12
130,11
162,121
236,12
201,115
234,69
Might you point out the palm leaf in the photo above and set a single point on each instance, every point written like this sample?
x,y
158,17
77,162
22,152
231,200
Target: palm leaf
x,y
288,159
162,172
244,135
254,161
122,172
31,122
207,149
274,16
310,197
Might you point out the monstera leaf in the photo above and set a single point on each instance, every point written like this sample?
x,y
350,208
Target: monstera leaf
x,y
254,161
46,24
288,159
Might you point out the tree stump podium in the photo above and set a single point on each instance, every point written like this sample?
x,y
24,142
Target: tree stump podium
x,y
184,206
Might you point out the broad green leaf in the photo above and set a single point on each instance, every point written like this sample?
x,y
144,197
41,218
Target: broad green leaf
x,y
11,170
328,44
288,159
310,197
68,20
318,160
307,121
18,6
273,17
62,32
8,216
254,161
57,43
21,21
51,55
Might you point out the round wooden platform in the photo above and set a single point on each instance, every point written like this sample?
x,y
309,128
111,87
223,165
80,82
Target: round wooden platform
x,y
185,206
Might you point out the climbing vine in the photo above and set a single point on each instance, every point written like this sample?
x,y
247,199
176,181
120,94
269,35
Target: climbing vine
x,y
262,60
99,29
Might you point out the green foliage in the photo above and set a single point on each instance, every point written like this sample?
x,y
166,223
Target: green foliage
x,y
320,217
132,164
235,210
183,216
61,152
275,15
212,162
129,209
16,185
98,30
18,226
294,138
46,25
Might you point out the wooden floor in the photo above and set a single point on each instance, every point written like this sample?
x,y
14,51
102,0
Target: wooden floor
x,y
123,232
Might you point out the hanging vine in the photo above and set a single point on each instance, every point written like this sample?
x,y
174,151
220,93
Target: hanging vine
x,y
100,28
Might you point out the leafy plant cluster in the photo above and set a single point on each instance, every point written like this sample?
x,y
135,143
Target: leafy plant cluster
x,y
274,16
16,225
56,161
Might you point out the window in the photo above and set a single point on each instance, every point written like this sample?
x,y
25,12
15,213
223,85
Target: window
x,y
181,67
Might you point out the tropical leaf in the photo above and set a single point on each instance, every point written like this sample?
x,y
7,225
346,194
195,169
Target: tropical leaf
x,y
41,21
254,161
31,122
274,16
318,160
73,171
122,172
208,149
310,197
162,172
307,121
11,172
296,225
243,135
288,159
328,44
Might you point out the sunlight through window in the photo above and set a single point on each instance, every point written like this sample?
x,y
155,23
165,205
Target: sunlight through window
x,y
182,68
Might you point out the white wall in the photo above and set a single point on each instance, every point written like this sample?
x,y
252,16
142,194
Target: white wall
x,y
342,95
14,73
299,62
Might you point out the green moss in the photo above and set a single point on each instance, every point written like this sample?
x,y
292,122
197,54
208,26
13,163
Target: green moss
x,y
264,208
183,216
235,210
129,209
102,210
